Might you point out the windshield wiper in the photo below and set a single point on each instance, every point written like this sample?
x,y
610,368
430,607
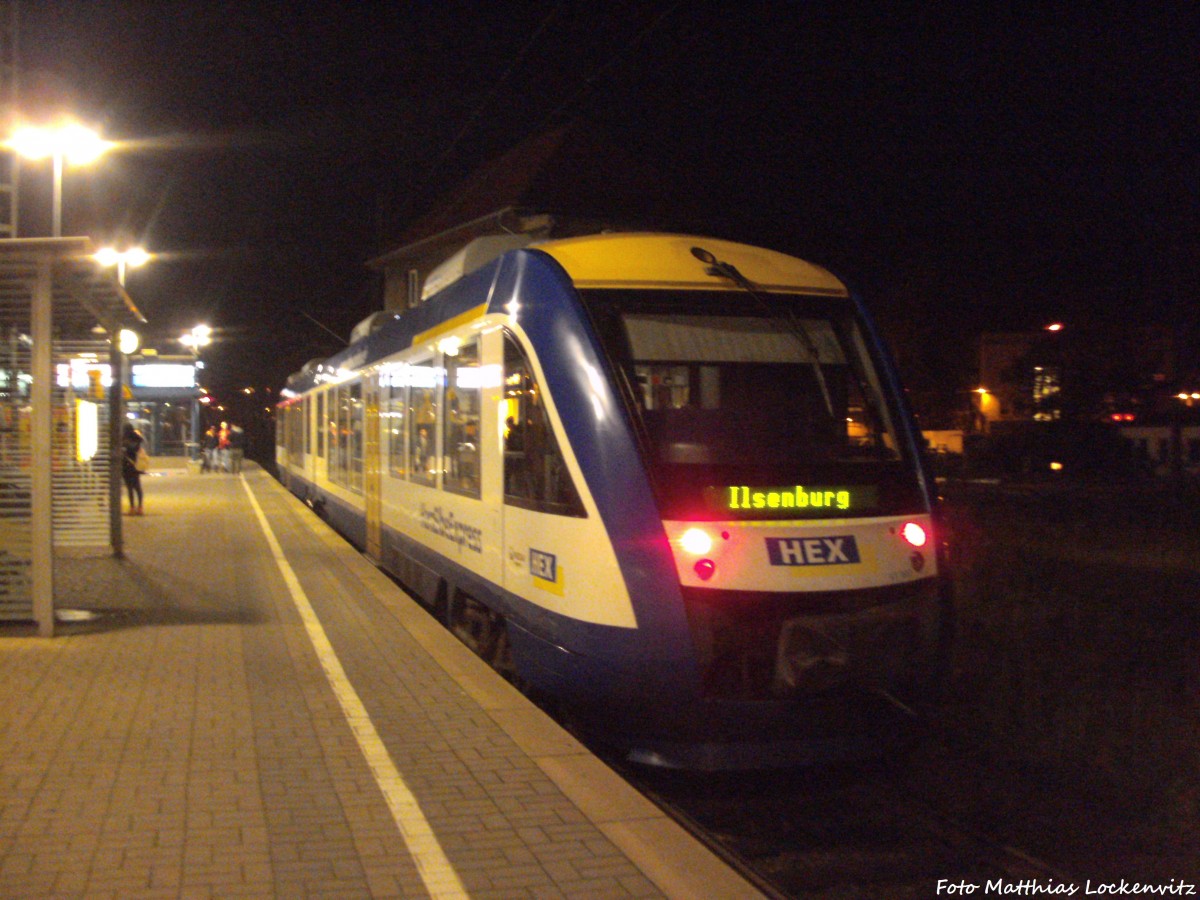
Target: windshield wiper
x,y
796,326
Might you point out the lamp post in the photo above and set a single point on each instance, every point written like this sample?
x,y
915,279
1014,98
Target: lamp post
x,y
133,257
200,336
67,143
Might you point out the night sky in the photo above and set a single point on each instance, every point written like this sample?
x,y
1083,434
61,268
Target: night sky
x,y
970,167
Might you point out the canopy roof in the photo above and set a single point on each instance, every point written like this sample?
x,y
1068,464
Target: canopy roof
x,y
83,292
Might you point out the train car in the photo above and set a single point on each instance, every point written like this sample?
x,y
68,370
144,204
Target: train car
x,y
669,482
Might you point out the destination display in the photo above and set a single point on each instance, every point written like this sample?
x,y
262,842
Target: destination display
x,y
790,501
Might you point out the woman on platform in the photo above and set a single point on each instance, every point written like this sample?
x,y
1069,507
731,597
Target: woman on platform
x,y
131,443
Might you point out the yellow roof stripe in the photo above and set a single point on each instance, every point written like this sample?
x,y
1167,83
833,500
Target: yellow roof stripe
x,y
449,325
665,261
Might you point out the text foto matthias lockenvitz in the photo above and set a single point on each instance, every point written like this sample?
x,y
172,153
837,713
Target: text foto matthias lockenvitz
x,y
1032,887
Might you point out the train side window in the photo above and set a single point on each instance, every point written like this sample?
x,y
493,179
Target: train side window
x,y
357,413
306,426
535,474
321,424
346,441
395,416
337,435
460,438
422,419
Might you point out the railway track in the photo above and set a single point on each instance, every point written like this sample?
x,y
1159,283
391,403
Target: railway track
x,y
847,832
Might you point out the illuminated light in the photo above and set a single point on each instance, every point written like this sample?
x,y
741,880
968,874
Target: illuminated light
x,y
73,142
790,500
87,430
705,569
122,259
981,390
162,375
1055,326
1056,467
79,372
199,336
696,541
450,346
914,534
127,341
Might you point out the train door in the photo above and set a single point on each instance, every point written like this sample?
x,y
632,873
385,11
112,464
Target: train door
x,y
320,469
372,468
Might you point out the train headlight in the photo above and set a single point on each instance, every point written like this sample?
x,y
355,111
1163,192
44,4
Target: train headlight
x,y
696,541
914,534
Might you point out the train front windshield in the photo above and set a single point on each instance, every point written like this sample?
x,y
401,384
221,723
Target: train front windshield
x,y
757,408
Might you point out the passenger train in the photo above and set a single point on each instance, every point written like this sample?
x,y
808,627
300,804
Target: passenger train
x,y
668,481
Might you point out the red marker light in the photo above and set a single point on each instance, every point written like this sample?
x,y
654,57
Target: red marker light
x,y
705,569
696,541
914,534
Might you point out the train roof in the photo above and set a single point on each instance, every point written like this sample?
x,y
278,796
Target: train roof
x,y
612,260
645,260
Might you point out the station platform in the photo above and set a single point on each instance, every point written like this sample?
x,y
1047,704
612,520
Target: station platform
x,y
244,706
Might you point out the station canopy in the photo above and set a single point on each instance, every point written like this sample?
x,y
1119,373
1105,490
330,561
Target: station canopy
x,y
84,294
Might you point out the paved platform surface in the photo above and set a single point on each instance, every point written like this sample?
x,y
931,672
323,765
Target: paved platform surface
x,y
245,707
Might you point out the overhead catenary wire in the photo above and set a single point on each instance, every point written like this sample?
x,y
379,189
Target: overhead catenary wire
x,y
587,86
486,101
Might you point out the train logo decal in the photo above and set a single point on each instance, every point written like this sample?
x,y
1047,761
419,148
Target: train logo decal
x,y
813,551
545,570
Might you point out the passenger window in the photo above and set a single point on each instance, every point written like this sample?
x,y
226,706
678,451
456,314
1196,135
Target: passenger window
x,y
423,419
535,475
393,419
345,465
321,425
460,442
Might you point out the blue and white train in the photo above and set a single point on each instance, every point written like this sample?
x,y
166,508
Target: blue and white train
x,y
668,481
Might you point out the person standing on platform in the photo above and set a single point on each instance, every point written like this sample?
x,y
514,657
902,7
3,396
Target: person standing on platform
x,y
131,444
223,446
209,449
237,448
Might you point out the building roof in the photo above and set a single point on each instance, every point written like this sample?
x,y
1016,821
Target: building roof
x,y
570,173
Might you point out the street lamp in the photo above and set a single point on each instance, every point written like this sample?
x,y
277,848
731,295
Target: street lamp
x,y
69,142
110,256
199,336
